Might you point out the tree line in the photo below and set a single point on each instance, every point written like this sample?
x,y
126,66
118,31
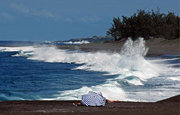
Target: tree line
x,y
146,24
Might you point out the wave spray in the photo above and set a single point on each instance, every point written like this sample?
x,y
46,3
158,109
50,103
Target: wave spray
x,y
129,66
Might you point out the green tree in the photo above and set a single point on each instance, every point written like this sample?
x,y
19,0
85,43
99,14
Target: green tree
x,y
146,24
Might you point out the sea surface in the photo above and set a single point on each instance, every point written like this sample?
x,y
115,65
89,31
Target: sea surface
x,y
41,72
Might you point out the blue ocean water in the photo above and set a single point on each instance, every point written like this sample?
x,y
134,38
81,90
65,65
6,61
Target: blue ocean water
x,y
47,73
28,79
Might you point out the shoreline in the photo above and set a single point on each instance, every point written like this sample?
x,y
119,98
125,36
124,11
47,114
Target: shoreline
x,y
38,107
157,47
169,106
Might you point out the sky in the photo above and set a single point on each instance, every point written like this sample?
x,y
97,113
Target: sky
x,y
53,20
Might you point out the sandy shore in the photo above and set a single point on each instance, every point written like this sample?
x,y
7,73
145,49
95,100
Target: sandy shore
x,y
169,106
156,47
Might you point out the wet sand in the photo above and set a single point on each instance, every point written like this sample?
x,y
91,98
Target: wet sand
x,y
169,106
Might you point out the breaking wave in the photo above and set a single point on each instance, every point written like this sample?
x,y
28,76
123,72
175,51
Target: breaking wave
x,y
129,62
129,65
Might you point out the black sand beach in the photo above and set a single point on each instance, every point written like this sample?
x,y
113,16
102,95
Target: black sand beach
x,y
157,47
170,106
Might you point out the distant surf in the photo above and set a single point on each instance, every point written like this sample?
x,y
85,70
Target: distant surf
x,y
77,42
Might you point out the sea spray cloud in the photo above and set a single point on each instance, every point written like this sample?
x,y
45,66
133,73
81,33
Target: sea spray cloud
x,y
134,48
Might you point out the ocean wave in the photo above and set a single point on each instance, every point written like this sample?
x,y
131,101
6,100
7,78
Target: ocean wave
x,y
11,49
129,66
129,62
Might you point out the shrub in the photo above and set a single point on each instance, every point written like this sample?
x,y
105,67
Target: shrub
x,y
147,25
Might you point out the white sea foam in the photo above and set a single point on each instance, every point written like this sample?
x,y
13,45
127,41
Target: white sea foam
x,y
129,65
10,49
128,62
77,42
175,78
110,90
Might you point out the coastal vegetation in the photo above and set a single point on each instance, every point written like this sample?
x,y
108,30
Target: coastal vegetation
x,y
146,24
